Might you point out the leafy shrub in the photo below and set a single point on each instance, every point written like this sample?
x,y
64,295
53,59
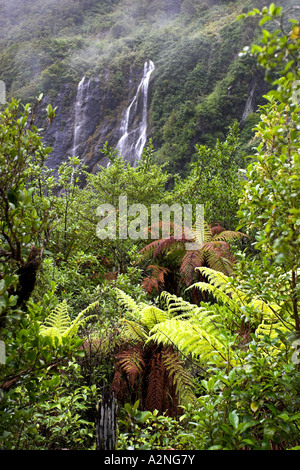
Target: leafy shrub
x,y
143,430
254,406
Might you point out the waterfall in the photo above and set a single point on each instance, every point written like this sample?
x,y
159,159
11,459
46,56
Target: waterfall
x,y
249,106
133,129
79,113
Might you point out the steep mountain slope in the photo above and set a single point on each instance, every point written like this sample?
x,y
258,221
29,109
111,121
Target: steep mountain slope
x,y
87,57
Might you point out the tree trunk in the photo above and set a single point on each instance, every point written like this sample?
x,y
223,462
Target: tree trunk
x,y
106,422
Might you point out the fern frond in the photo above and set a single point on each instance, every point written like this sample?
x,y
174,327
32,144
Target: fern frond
x,y
59,325
127,301
131,362
162,245
58,319
267,328
166,244
80,319
156,383
202,233
158,276
238,301
200,340
215,251
216,229
90,307
194,332
182,380
228,235
207,232
190,261
217,278
149,283
219,285
134,331
151,315
221,281
74,325
263,309
148,250
220,263
218,256
219,295
158,271
176,306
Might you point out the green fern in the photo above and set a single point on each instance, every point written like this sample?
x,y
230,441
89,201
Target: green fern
x,y
220,288
132,307
261,315
144,317
192,330
151,316
196,333
180,377
138,332
134,331
58,324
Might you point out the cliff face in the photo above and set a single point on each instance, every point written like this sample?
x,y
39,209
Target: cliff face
x,y
90,59
81,125
88,115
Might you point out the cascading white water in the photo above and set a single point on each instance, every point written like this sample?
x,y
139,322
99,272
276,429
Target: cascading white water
x,y
133,129
78,114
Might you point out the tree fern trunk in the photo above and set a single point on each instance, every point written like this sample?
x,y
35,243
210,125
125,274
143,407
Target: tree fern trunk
x,y
106,422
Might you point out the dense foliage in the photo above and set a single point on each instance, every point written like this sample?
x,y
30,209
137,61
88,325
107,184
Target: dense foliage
x,y
208,357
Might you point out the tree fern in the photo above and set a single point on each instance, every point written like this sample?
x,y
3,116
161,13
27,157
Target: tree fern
x,y
213,251
163,378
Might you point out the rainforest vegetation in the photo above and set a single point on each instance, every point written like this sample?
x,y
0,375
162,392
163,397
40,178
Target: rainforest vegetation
x,y
200,347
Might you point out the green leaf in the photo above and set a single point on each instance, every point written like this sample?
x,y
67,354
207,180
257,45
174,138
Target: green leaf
x,y
244,426
249,442
234,419
254,406
272,8
142,416
284,416
264,20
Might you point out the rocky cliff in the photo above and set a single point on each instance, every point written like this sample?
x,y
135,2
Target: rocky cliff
x,y
88,115
88,59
